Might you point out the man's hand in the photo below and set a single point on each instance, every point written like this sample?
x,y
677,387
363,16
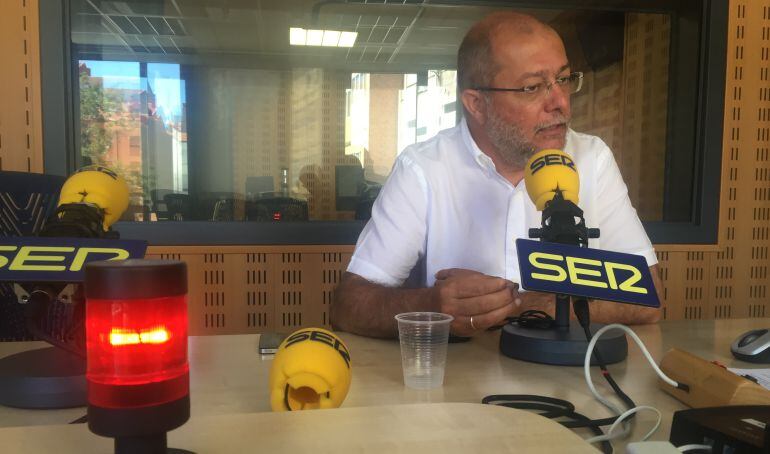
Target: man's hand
x,y
477,301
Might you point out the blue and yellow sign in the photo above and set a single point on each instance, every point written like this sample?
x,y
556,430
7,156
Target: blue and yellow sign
x,y
25,259
592,273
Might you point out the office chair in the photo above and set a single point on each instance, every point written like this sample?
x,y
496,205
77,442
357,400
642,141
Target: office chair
x,y
178,207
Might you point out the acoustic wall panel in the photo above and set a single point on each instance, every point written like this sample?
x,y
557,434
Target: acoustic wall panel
x,y
20,126
736,270
253,289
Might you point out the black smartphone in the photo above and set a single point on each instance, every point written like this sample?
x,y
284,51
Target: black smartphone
x,y
269,342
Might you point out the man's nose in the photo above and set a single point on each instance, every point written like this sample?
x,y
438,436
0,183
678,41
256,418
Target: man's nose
x,y
557,98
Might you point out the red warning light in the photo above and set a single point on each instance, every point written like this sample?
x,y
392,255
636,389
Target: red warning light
x,y
136,340
119,336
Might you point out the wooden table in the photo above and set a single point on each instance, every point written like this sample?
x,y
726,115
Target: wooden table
x,y
229,377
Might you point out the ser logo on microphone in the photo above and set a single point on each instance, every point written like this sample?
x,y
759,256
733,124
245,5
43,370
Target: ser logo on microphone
x,y
33,259
581,271
551,160
320,336
55,258
584,271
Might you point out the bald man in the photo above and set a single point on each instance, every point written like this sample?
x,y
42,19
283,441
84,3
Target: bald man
x,y
456,203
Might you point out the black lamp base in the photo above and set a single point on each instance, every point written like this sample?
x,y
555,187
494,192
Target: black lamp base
x,y
45,378
146,444
140,430
560,346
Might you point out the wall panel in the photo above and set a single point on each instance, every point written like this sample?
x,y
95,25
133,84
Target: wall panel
x,y
252,289
21,139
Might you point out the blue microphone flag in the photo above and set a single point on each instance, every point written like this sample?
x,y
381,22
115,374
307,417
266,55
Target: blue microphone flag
x,y
592,273
35,259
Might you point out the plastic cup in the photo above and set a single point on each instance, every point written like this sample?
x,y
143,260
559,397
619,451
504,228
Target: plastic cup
x,y
424,337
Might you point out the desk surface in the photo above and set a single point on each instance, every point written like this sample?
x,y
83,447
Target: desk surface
x,y
229,377
413,428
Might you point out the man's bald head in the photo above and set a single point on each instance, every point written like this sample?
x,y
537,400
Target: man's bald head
x,y
476,62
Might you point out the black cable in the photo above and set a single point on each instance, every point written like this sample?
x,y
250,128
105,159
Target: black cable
x,y
580,306
552,408
535,319
81,420
557,408
532,319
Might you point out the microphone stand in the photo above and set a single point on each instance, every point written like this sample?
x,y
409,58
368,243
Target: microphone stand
x,y
564,343
53,377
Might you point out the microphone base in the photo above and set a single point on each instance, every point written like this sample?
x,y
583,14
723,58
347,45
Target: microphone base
x,y
45,378
560,346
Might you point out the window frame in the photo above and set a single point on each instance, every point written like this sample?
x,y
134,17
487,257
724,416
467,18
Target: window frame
x,y
704,21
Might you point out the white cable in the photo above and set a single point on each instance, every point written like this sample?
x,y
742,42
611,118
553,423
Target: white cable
x,y
630,332
693,447
610,436
607,403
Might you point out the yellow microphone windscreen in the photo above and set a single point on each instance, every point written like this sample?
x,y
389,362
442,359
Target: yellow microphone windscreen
x,y
549,170
311,369
98,186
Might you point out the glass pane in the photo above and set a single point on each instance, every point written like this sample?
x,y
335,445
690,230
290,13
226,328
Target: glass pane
x,y
212,113
110,121
132,120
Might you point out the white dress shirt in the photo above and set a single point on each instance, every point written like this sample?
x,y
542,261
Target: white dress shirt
x,y
445,201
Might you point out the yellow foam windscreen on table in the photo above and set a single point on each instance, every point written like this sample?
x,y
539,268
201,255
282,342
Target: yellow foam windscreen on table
x,y
311,370
549,170
100,187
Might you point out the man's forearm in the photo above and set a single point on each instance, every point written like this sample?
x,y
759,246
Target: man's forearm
x,y
361,307
601,311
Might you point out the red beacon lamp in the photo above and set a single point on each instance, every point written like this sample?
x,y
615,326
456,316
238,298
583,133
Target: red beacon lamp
x,y
136,341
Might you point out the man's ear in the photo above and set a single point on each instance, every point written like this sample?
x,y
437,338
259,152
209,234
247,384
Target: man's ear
x,y
475,105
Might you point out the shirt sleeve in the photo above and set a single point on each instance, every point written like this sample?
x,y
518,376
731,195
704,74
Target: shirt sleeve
x,y
620,227
394,239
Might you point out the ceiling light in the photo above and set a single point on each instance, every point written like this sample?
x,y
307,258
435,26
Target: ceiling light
x,y
347,39
328,38
297,36
315,37
331,38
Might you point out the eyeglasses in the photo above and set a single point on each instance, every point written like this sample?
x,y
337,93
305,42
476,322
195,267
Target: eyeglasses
x,y
571,83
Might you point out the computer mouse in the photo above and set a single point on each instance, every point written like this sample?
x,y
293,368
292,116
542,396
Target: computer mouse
x,y
752,346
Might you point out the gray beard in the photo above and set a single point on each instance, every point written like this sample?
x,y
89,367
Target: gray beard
x,y
514,150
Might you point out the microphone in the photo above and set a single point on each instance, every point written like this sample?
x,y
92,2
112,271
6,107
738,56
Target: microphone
x,y
553,184
311,370
91,200
549,172
46,271
562,264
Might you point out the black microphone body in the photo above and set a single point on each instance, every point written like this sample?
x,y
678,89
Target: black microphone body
x,y
77,220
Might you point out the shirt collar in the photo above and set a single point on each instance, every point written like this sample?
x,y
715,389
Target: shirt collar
x,y
479,156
